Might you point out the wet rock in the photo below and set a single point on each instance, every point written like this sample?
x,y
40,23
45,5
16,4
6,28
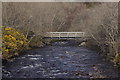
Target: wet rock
x,y
90,74
82,44
18,71
34,58
38,72
95,68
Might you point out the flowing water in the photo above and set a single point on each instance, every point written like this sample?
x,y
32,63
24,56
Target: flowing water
x,y
62,59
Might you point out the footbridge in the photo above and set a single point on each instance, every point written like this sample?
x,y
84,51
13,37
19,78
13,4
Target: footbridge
x,y
65,35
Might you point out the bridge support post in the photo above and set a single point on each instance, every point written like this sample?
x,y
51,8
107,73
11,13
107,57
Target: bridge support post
x,y
50,35
83,36
67,36
59,35
75,35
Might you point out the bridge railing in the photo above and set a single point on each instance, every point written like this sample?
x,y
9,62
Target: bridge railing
x,y
65,34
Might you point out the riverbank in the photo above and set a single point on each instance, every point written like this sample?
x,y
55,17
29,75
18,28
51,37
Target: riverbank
x,y
104,50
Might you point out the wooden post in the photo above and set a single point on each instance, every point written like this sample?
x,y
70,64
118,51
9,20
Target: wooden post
x,y
51,35
83,34
75,34
67,35
59,35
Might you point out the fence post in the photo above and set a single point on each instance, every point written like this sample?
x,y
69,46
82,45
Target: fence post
x,y
75,34
59,35
83,34
67,35
51,35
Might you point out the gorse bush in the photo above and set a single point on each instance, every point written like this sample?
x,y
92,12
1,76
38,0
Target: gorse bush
x,y
13,42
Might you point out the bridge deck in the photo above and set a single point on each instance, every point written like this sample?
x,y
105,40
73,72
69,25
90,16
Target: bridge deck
x,y
65,34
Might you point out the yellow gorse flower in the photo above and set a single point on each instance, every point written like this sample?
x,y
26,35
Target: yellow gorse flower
x,y
9,44
8,28
5,50
13,41
9,38
21,42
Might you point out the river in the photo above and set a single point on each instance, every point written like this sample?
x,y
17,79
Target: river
x,y
59,60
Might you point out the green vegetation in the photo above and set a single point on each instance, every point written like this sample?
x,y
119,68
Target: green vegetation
x,y
117,56
37,41
117,59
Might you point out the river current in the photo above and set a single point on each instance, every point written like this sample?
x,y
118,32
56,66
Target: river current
x,y
62,59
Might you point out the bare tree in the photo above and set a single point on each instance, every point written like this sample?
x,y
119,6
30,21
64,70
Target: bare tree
x,y
46,17
103,27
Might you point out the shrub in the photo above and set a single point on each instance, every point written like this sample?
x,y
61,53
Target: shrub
x,y
13,42
117,56
117,59
37,41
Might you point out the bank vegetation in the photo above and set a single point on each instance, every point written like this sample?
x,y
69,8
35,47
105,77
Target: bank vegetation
x,y
98,20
